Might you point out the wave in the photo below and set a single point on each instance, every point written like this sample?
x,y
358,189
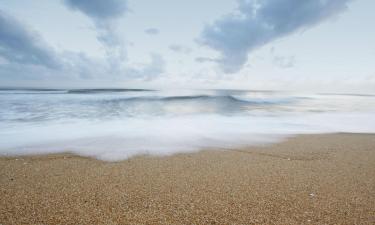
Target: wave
x,y
98,91
115,140
208,98
114,124
347,94
31,91
67,91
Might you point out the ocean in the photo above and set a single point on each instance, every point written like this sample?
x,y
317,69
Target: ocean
x,y
115,124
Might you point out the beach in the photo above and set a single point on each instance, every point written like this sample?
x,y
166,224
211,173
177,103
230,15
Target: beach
x,y
136,112
308,179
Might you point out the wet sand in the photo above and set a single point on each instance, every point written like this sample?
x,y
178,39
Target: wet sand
x,y
310,179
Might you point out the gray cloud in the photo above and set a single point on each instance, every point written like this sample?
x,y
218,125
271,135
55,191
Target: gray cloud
x,y
260,22
18,44
180,49
99,9
104,15
25,58
28,57
152,31
205,59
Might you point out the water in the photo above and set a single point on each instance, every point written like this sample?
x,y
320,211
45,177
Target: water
x,y
115,124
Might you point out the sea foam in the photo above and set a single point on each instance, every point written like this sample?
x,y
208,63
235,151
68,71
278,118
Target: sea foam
x,y
110,128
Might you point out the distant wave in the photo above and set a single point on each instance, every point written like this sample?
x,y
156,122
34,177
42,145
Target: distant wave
x,y
93,91
348,94
31,91
208,98
203,97
67,91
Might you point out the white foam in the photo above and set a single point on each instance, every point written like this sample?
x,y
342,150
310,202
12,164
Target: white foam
x,y
120,139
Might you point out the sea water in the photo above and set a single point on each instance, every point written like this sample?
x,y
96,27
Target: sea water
x,y
115,124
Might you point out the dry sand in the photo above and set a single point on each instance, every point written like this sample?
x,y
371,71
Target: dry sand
x,y
316,179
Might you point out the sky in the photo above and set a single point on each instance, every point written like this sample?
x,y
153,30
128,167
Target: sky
x,y
315,45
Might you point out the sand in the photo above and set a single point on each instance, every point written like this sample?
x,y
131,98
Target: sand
x,y
310,179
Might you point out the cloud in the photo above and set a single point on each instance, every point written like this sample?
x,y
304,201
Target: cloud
x,y
257,23
99,9
205,59
25,58
152,31
104,15
284,61
148,71
180,49
19,44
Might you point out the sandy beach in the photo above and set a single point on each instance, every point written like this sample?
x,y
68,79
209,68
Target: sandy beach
x,y
310,179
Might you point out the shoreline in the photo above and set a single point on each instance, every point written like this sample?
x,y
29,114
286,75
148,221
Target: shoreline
x,y
317,179
265,145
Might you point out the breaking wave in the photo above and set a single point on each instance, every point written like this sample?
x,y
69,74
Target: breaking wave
x,y
116,124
